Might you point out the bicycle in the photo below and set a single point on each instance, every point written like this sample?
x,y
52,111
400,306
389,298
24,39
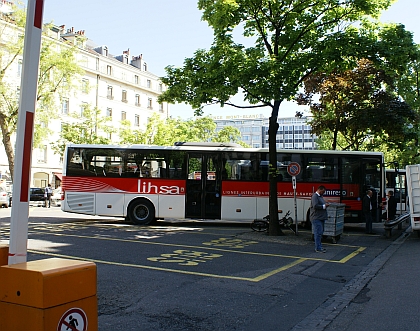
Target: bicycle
x,y
262,225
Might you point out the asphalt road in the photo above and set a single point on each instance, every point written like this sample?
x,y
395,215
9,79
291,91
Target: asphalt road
x,y
210,276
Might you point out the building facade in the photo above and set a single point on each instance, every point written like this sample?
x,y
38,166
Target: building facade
x,y
293,132
121,87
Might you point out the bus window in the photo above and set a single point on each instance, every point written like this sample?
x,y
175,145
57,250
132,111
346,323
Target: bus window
x,y
350,170
241,166
175,165
155,164
395,180
373,175
321,169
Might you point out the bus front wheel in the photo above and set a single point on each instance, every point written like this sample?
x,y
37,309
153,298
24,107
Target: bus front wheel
x,y
141,212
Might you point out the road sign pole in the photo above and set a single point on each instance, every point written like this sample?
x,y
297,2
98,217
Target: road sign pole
x,y
293,169
24,136
295,202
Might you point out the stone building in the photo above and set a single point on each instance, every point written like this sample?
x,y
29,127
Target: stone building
x,y
122,87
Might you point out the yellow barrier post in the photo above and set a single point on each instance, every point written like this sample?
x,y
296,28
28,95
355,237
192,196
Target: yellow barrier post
x,y
51,294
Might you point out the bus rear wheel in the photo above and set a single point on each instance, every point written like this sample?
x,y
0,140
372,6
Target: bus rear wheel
x,y
141,212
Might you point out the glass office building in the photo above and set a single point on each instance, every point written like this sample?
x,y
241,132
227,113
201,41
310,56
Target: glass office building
x,y
293,132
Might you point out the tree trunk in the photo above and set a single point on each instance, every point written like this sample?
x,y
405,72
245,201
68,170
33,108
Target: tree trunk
x,y
7,144
274,228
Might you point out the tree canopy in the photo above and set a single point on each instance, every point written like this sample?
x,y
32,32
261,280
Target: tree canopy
x,y
166,132
58,69
360,105
291,40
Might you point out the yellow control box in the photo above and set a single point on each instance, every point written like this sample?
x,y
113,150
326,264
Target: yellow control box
x,y
50,294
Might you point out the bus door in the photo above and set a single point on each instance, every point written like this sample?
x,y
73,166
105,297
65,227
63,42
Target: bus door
x,y
203,186
352,182
373,180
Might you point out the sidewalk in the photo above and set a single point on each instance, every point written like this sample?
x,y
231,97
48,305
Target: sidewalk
x,y
390,300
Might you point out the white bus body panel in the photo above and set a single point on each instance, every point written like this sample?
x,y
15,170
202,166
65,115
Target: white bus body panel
x,y
79,202
239,208
262,208
413,194
171,206
109,204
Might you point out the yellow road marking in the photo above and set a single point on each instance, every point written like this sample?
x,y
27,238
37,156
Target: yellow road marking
x,y
351,255
255,279
343,260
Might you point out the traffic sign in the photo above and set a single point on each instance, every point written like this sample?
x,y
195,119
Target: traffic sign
x,y
73,319
293,169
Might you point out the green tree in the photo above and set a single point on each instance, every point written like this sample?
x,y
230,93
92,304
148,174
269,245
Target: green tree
x,y
56,67
83,130
360,106
292,39
166,132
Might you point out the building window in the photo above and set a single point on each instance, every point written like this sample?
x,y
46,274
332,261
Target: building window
x,y
123,116
161,107
124,96
19,69
108,135
83,107
109,94
136,79
109,70
42,154
145,66
109,113
85,85
137,100
149,103
149,83
84,61
136,120
65,106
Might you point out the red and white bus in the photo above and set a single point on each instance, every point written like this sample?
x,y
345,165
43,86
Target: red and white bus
x,y
209,181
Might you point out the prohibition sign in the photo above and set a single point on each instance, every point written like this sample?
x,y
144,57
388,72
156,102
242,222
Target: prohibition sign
x,y
73,319
293,169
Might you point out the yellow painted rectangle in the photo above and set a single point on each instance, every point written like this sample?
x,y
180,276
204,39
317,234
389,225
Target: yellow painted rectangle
x,y
47,283
15,317
4,255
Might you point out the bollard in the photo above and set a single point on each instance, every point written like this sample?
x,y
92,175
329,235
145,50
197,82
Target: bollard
x,y
51,294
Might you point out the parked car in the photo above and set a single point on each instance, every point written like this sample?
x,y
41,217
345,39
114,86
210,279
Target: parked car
x,y
4,198
56,197
36,195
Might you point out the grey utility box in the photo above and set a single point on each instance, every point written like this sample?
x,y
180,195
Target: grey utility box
x,y
335,224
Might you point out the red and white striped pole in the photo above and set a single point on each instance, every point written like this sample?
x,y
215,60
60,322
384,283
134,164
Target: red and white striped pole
x,y
27,103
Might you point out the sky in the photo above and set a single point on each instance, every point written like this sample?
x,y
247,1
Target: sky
x,y
166,32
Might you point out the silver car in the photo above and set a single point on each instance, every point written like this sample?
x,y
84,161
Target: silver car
x,y
4,198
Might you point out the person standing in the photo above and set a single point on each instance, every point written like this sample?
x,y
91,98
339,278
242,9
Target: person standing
x,y
318,216
367,211
47,196
391,206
